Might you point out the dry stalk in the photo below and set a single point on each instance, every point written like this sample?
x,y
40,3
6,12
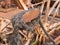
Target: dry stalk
x,y
24,6
57,40
30,35
38,29
40,39
51,21
42,7
37,3
36,41
53,7
47,10
29,4
22,34
45,32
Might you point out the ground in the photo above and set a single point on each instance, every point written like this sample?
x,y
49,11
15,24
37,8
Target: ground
x,y
10,13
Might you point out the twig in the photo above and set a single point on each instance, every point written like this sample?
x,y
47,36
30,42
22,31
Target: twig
x,y
40,39
18,3
51,21
24,6
29,4
44,39
53,7
57,40
5,26
42,7
47,10
38,29
46,32
37,3
36,41
22,34
30,35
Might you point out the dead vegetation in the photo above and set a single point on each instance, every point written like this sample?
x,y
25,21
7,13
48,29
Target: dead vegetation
x,y
31,27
